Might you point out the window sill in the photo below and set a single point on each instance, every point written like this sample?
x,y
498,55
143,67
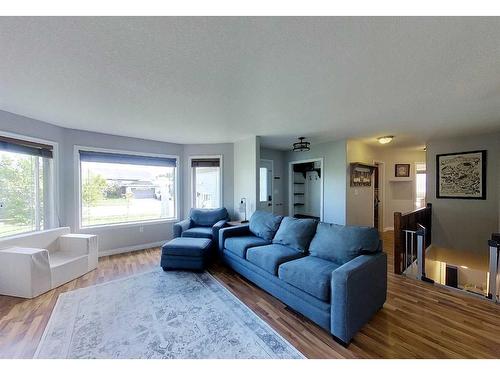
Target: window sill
x,y
133,224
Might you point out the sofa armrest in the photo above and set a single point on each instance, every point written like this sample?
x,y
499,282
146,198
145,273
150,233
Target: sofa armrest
x,y
239,230
24,272
181,226
359,290
216,228
81,244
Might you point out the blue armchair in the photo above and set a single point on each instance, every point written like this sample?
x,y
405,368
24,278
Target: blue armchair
x,y
202,223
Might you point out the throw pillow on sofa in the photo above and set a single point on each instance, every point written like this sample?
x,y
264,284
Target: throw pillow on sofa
x,y
342,243
296,233
264,224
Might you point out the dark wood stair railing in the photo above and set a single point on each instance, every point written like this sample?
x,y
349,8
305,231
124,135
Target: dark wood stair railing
x,y
410,222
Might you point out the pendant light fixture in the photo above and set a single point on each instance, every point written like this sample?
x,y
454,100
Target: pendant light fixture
x,y
301,145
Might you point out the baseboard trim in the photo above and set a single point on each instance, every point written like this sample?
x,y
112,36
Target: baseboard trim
x,y
387,229
128,249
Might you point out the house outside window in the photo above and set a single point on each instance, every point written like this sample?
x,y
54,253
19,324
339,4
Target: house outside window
x,y
122,188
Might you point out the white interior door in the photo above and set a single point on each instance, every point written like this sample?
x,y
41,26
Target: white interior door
x,y
266,185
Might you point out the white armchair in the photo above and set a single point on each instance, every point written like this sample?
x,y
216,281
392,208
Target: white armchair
x,y
33,263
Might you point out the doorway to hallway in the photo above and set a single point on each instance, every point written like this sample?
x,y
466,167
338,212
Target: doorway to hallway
x,y
306,188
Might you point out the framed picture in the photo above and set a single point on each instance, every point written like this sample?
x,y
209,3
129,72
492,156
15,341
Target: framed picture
x,y
402,170
461,175
361,174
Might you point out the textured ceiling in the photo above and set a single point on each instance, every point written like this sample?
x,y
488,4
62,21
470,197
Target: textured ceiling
x,y
206,80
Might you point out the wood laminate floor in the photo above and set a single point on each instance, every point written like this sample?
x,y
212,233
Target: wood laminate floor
x,y
417,321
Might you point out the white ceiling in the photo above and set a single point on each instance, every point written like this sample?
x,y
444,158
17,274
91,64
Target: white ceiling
x,y
207,80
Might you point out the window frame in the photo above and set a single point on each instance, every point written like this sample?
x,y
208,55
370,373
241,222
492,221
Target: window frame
x,y
78,189
417,172
53,194
260,186
192,181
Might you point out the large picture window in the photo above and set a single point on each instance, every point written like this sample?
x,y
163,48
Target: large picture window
x,y
117,188
26,202
206,176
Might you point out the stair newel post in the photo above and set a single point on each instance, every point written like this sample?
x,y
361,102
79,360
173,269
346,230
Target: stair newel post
x,y
421,247
494,245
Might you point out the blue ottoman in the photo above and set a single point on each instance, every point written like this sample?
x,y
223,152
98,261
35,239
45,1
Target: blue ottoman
x,y
186,253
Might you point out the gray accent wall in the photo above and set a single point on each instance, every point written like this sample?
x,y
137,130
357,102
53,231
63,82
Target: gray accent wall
x,y
464,223
115,238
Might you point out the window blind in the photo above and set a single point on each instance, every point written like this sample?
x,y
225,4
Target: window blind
x,y
209,162
105,157
26,147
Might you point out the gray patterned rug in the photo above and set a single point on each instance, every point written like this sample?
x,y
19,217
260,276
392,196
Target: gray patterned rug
x,y
158,315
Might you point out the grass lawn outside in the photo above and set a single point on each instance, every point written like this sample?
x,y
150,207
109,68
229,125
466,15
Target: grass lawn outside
x,y
120,210
108,211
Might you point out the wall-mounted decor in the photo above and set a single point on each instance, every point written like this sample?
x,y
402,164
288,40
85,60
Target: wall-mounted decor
x,y
361,174
402,170
461,175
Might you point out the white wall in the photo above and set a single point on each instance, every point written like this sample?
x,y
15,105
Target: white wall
x,y
333,173
464,223
121,237
246,174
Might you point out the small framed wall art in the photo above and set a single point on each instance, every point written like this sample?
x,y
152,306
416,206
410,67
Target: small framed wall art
x,y
402,170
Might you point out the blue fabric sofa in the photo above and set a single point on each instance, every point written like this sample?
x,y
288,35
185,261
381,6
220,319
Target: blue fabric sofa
x,y
202,223
335,275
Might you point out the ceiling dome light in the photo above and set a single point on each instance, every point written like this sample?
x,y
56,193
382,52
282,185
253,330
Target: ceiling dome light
x,y
385,139
301,145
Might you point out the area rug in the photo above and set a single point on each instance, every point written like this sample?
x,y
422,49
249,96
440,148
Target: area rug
x,y
159,315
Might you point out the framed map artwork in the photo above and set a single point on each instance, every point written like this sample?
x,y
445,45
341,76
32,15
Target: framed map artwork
x,y
461,175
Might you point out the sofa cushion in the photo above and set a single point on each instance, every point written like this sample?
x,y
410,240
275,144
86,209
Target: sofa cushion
x,y
198,232
264,224
310,274
207,217
239,245
295,233
340,244
269,257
